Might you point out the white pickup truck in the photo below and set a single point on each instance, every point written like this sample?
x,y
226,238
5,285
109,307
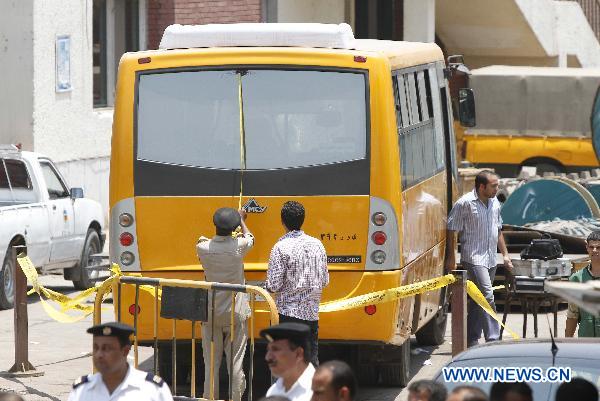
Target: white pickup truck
x,y
60,228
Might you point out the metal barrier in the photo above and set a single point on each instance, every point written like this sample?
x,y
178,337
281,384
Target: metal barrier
x,y
156,283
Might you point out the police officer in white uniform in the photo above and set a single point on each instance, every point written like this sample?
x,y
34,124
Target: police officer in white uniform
x,y
116,380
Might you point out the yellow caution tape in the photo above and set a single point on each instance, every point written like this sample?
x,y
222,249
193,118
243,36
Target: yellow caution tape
x,y
478,297
65,302
391,294
374,298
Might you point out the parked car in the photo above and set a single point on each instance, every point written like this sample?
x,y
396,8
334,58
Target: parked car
x,y
581,355
59,227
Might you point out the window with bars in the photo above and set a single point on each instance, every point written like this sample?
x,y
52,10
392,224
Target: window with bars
x,y
421,144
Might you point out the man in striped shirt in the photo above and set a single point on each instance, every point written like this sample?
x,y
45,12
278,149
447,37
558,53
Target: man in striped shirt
x,y
298,273
476,219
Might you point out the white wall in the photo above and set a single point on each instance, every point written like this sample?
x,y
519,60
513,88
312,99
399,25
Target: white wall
x,y
16,72
562,29
66,127
575,36
419,20
329,11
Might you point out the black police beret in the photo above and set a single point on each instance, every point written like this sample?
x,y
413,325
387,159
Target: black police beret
x,y
112,329
227,218
296,332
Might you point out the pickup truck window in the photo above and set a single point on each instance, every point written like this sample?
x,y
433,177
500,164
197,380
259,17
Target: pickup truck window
x,y
13,174
56,187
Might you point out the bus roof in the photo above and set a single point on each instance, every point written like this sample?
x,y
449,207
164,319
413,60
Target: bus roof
x,y
330,38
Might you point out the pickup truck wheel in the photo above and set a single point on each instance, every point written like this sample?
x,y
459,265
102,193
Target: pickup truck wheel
x,y
7,283
92,246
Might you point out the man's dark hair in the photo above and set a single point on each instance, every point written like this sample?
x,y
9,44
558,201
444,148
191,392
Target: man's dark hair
x,y
300,344
124,341
577,389
437,391
483,177
500,389
594,236
341,376
292,215
470,393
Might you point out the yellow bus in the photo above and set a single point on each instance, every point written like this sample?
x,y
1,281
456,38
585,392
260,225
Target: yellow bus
x,y
532,116
358,131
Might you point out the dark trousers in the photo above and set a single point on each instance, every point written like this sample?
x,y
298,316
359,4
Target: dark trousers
x,y
314,335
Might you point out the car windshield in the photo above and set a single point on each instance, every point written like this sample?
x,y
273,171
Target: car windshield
x,y
588,369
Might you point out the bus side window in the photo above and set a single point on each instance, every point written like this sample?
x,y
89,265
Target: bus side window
x,y
420,139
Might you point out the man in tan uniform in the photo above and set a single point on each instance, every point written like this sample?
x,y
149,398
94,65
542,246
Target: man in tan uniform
x,y
222,260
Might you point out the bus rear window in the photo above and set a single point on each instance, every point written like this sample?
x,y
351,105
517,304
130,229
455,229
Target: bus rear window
x,y
292,118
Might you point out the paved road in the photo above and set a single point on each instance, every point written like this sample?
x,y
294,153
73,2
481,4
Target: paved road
x,y
61,351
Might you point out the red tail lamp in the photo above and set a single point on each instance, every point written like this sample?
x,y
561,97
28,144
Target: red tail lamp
x,y
133,308
126,239
379,237
370,310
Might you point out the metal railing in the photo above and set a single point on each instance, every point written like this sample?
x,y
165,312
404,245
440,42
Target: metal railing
x,y
211,287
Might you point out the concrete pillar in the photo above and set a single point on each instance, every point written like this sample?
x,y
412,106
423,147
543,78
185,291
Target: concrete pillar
x,y
419,20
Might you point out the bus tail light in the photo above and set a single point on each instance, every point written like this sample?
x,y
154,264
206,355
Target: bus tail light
x,y
383,251
379,237
126,239
378,257
123,242
379,219
125,220
133,309
127,258
369,309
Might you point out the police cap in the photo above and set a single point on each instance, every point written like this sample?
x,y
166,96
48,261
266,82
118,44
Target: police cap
x,y
297,333
112,329
227,218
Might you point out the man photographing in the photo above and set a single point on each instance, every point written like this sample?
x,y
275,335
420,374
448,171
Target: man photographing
x,y
222,260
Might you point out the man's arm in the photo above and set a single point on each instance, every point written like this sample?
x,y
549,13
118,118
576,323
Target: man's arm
x,y
570,327
450,250
325,275
502,245
572,320
455,225
275,271
243,222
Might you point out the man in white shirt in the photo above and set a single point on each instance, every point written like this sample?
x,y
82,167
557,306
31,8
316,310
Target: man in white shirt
x,y
116,380
288,358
